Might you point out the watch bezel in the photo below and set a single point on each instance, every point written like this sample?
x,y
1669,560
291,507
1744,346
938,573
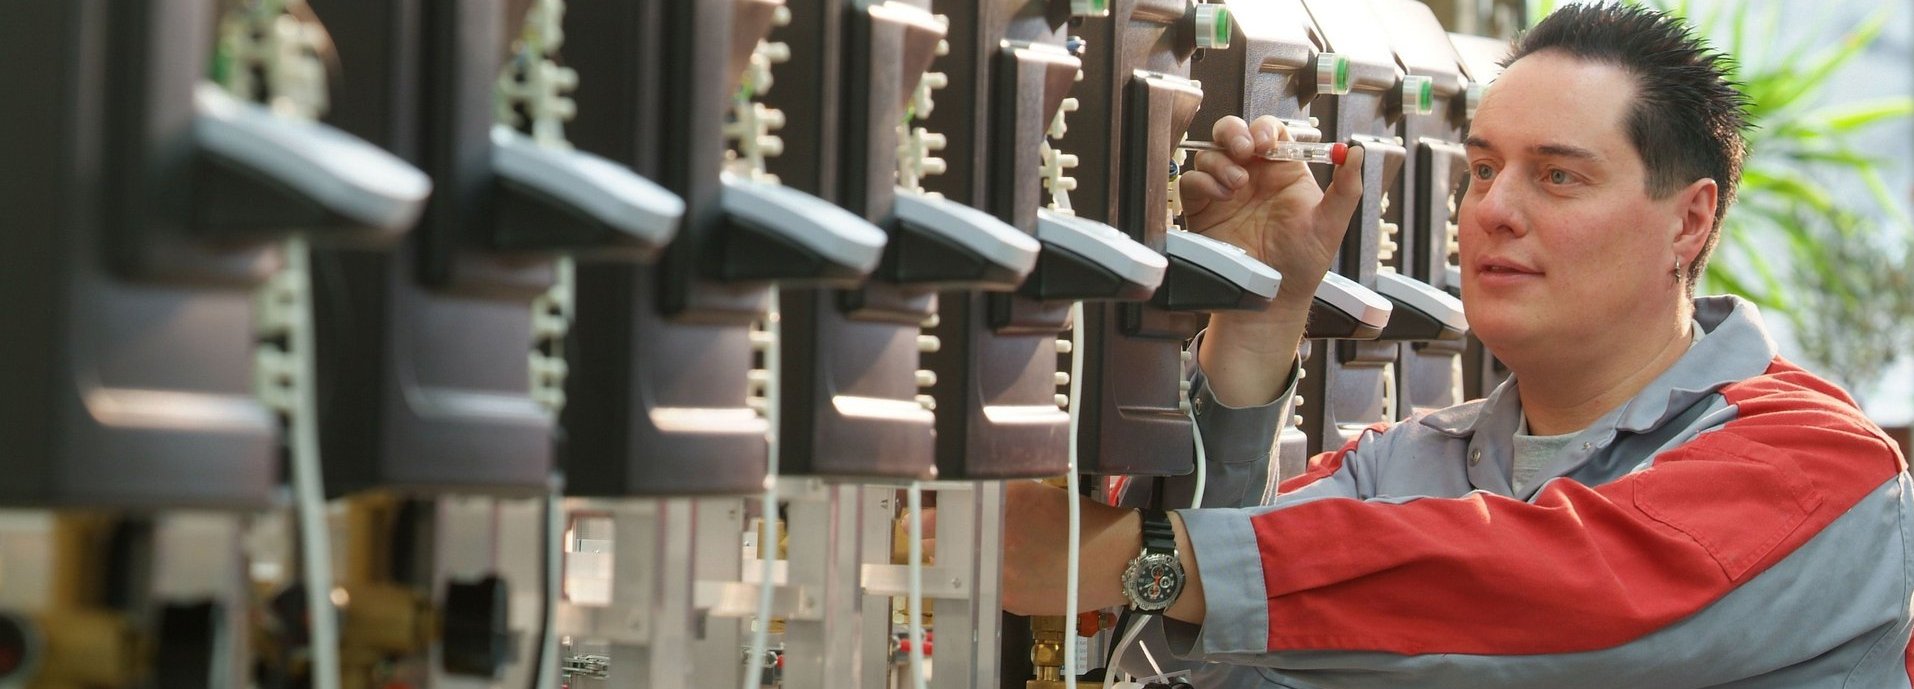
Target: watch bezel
x,y
1136,567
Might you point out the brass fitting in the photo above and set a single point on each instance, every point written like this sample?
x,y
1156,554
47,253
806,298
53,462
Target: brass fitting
x,y
88,648
1046,653
85,644
380,618
386,619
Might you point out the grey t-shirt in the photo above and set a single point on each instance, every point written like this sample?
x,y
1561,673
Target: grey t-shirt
x,y
1532,452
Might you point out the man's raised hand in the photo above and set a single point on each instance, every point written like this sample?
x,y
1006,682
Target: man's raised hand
x,y
1272,209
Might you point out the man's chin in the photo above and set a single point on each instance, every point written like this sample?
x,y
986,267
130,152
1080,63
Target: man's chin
x,y
1504,327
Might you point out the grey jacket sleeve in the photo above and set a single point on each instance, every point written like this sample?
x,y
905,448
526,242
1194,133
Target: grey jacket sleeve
x,y
1236,442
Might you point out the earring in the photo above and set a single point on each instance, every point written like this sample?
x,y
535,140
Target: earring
x,y
1677,272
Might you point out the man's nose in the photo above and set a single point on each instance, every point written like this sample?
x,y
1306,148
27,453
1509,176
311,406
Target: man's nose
x,y
1498,208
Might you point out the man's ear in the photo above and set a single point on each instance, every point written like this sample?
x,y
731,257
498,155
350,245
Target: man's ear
x,y
1697,203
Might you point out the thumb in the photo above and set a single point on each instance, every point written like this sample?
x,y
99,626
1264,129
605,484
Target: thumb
x,y
1344,194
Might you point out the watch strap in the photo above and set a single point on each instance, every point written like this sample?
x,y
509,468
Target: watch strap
x,y
1158,535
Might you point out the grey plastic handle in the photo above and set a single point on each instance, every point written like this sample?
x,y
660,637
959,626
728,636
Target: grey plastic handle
x,y
636,208
1226,260
1103,245
820,227
339,172
1360,303
1418,295
982,234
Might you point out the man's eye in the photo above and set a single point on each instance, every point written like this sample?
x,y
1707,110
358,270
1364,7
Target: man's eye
x,y
1559,177
1484,172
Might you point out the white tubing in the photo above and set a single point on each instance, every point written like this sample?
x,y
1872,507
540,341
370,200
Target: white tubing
x,y
1202,466
768,535
915,503
1155,667
1073,556
309,497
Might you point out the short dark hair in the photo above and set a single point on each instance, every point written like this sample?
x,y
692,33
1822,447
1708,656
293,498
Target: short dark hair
x,y
1688,116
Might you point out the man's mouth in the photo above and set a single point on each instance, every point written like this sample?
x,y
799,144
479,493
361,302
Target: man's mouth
x,y
1503,266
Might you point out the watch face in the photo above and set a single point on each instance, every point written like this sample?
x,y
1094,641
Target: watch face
x,y
1153,580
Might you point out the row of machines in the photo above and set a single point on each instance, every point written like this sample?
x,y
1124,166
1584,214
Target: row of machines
x,y
501,343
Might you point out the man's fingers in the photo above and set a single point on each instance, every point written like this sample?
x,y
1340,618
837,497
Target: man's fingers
x,y
1199,189
1222,168
1266,130
1345,191
1232,134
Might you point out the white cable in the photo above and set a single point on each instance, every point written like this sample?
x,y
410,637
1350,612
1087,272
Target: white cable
x,y
1123,645
1073,558
1202,466
915,503
1151,658
309,498
768,535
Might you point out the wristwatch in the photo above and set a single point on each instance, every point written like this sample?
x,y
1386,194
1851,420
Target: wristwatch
x,y
1155,577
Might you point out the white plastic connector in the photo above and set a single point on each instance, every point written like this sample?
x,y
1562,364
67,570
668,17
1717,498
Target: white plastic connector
x,y
552,314
1387,246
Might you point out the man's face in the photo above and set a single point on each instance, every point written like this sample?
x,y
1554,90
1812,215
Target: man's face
x,y
1562,246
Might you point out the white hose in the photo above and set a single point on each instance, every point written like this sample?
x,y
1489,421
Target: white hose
x,y
1073,558
1202,465
309,497
915,503
768,535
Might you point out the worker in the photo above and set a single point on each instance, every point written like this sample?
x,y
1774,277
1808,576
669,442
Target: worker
x,y
1653,498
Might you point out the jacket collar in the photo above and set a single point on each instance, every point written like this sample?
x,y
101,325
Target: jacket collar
x,y
1737,347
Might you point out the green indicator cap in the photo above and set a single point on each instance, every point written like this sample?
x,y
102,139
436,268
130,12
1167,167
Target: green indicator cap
x,y
1418,95
1332,74
1213,26
1089,8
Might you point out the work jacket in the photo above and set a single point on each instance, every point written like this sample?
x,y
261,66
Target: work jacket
x,y
1739,523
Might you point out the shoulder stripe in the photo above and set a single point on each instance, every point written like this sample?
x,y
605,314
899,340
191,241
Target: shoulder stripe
x,y
1486,574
